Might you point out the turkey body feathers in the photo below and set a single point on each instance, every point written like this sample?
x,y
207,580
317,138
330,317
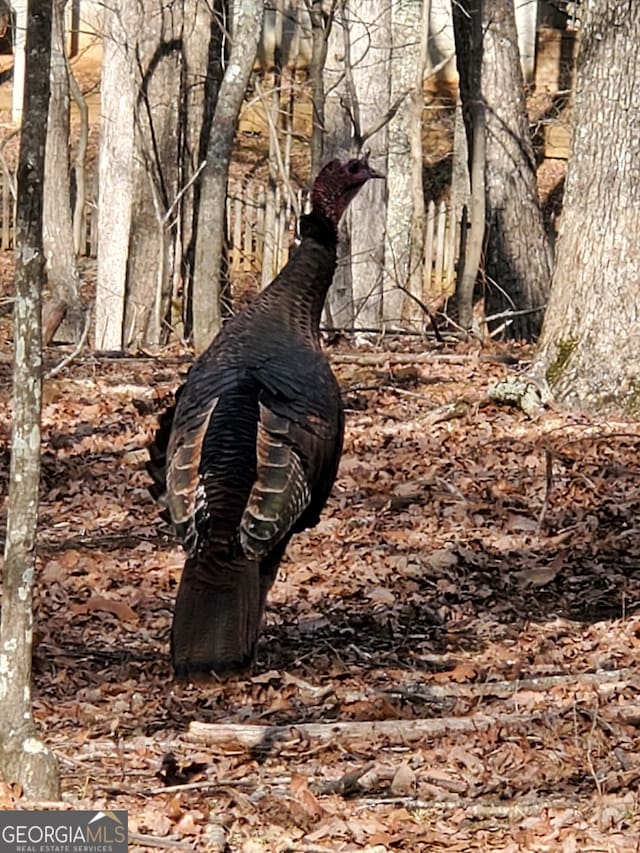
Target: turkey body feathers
x,y
250,452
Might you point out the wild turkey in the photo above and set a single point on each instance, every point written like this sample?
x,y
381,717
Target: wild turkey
x,y
248,455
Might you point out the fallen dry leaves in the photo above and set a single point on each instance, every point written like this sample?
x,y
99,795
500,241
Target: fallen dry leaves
x,y
473,564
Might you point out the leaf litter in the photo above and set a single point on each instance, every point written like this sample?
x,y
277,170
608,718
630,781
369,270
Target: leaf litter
x,y
467,611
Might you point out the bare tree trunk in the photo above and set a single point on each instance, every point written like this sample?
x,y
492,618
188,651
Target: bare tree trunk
x,y
62,272
115,176
590,339
18,61
79,167
160,84
468,35
204,36
24,759
405,212
518,257
460,197
357,114
209,247
271,105
321,21
413,310
157,68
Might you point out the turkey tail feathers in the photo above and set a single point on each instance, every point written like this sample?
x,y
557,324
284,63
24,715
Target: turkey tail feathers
x,y
217,618
183,473
157,464
281,492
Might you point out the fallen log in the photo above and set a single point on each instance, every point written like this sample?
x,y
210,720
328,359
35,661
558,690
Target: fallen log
x,y
392,731
398,732
382,358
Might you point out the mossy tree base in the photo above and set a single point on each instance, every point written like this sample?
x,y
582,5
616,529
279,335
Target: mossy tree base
x,y
591,336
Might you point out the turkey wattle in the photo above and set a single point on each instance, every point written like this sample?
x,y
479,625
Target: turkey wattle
x,y
248,455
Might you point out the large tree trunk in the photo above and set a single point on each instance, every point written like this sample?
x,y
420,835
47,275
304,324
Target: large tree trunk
x,y
62,272
209,272
23,757
518,262
159,88
115,176
405,211
157,67
203,67
467,25
518,257
356,117
591,339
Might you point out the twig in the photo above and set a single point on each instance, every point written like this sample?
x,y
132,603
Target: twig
x,y
204,785
548,487
184,189
155,841
386,118
69,358
345,784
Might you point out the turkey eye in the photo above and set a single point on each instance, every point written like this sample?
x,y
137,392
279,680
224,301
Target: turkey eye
x,y
354,167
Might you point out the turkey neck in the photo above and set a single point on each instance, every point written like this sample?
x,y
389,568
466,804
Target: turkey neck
x,y
296,297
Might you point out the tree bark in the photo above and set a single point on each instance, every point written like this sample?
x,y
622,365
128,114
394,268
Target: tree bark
x,y
160,84
79,168
518,257
405,211
208,272
590,339
518,262
157,67
467,27
203,67
24,759
62,272
321,22
115,175
19,32
357,114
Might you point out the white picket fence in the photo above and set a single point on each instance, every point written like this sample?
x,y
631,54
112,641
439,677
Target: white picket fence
x,y
262,228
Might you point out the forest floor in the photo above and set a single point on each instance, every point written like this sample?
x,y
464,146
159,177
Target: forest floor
x,y
449,660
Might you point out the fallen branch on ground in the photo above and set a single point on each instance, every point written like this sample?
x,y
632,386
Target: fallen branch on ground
x,y
345,784
381,358
476,811
510,689
393,731
168,843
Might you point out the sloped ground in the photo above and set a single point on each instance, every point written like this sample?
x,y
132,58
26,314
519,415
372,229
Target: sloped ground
x,y
472,591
